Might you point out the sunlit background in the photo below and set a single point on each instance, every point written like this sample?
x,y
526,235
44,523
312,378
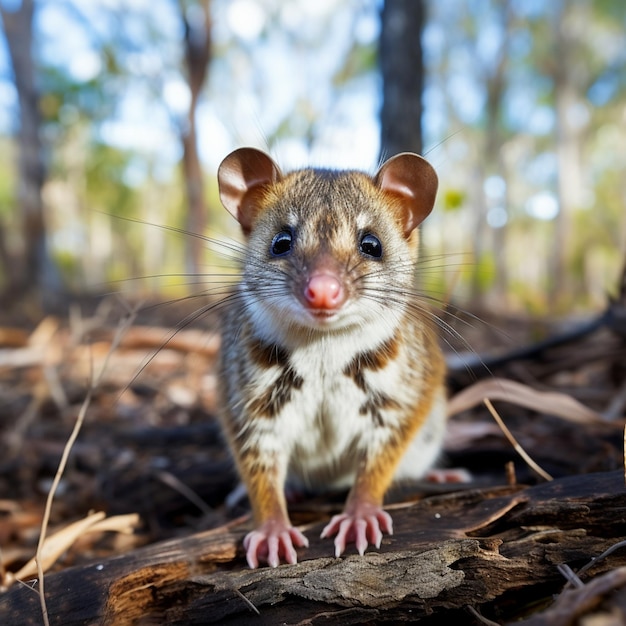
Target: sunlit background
x,y
524,120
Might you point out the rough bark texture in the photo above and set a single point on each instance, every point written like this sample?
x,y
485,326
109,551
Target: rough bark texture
x,y
402,73
492,550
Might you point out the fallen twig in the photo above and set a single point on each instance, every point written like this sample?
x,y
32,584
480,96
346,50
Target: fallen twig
x,y
515,444
40,554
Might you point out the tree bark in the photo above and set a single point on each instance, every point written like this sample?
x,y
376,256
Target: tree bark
x,y
402,71
495,550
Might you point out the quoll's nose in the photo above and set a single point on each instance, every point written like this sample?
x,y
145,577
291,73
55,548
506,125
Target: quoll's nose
x,y
324,291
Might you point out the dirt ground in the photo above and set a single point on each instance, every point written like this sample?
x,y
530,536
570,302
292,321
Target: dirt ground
x,y
150,445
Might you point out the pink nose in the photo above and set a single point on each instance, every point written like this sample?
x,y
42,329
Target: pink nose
x,y
324,291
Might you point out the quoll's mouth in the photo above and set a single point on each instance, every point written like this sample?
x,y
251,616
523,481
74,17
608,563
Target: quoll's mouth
x,y
323,314
323,319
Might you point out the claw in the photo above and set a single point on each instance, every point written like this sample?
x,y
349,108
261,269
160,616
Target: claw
x,y
360,524
376,534
360,530
272,542
452,475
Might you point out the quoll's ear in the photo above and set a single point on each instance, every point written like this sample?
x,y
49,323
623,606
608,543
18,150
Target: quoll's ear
x,y
241,175
412,180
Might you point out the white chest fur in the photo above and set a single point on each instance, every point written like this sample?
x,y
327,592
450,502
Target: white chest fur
x,y
316,404
326,426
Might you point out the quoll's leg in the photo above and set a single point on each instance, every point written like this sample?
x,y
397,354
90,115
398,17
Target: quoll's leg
x,y
274,540
363,520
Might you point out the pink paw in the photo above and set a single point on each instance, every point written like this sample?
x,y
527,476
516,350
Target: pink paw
x,y
452,475
271,542
360,524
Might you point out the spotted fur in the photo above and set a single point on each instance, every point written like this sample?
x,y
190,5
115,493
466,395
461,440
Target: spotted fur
x,y
348,402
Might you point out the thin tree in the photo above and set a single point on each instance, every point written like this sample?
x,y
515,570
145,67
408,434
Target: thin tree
x,y
402,72
494,77
568,145
33,269
197,28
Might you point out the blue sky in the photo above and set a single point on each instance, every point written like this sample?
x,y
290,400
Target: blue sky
x,y
275,61
244,114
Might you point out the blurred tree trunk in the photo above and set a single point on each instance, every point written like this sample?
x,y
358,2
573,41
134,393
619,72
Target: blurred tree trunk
x,y
197,23
568,140
402,70
33,270
492,164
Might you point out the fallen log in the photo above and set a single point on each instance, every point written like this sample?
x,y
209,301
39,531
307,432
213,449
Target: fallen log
x,y
491,551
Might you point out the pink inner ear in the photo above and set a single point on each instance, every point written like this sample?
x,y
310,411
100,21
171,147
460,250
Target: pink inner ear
x,y
412,181
240,174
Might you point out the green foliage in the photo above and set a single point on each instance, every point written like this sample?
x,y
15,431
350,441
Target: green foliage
x,y
485,272
65,100
7,177
453,199
360,60
105,186
71,270
284,84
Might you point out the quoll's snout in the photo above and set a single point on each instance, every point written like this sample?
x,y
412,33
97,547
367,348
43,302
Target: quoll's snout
x,y
324,291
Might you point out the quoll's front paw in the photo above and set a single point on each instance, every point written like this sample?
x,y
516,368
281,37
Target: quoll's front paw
x,y
451,475
273,542
360,524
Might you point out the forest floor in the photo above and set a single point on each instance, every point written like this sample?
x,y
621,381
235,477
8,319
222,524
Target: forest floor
x,y
150,446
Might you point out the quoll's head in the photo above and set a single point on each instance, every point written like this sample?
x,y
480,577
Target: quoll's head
x,y
327,249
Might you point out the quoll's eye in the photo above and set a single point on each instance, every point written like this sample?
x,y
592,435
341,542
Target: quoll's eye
x,y
371,246
282,242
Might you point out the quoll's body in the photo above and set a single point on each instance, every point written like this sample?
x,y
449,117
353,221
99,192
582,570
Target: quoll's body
x,y
331,374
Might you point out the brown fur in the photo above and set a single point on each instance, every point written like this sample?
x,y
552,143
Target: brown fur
x,y
265,388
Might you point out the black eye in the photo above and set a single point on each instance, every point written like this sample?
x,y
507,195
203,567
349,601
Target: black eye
x,y
371,246
281,244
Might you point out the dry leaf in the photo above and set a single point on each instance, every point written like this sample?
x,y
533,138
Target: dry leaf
x,y
552,402
57,544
